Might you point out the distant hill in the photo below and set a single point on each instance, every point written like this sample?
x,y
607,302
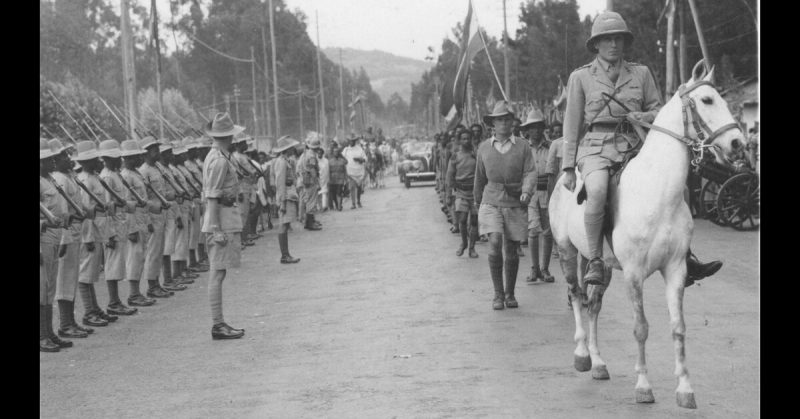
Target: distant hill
x,y
388,73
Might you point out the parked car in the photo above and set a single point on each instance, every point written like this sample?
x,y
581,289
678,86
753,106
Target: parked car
x,y
416,165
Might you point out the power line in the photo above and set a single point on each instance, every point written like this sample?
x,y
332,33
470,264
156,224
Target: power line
x,y
726,40
230,57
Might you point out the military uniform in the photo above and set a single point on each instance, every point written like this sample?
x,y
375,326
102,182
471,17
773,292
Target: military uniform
x,y
308,170
221,182
286,194
154,250
194,175
137,224
460,181
538,219
587,117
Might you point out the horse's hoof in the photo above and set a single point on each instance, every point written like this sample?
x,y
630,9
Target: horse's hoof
x,y
583,363
686,400
600,372
645,395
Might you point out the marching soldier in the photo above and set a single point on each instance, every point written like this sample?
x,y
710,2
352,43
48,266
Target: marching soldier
x,y
589,121
156,190
95,235
51,232
460,184
308,170
141,223
118,224
222,221
504,181
538,217
286,195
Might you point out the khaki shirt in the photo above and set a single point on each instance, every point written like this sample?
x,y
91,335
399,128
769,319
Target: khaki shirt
x,y
554,157
96,229
153,176
308,169
284,180
118,221
141,216
540,153
57,205
635,87
75,233
220,181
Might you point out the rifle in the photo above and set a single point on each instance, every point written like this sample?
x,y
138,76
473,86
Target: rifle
x,y
124,128
94,122
68,114
68,135
78,210
91,195
139,199
172,184
164,203
258,170
113,193
197,191
47,214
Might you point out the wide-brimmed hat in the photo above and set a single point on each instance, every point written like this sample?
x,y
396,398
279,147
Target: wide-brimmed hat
x,y
189,143
285,143
164,145
178,148
44,149
130,148
501,108
241,137
87,150
222,126
534,117
608,23
108,148
204,141
313,143
147,142
56,146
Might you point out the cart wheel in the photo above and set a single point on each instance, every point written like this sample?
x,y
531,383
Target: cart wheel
x,y
708,202
739,202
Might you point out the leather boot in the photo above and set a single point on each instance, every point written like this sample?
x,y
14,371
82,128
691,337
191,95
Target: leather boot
x,y
511,268
49,323
310,224
67,327
696,270
595,273
45,344
496,270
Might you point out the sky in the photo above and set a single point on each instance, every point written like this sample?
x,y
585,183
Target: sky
x,y
407,27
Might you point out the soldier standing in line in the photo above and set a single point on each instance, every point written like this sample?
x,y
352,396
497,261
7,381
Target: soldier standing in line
x,y
538,217
460,184
504,181
176,220
180,256
286,195
140,226
195,176
51,233
240,161
118,226
222,220
308,169
154,251
95,236
203,147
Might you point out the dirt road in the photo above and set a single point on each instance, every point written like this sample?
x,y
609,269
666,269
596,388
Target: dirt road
x,y
380,319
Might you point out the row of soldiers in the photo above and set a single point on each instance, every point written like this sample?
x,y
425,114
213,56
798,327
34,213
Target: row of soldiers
x,y
145,209
455,164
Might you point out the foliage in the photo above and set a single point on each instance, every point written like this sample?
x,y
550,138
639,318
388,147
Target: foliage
x,y
176,110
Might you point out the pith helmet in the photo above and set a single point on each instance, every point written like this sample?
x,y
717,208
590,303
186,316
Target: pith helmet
x,y
608,23
56,146
501,108
534,117
87,150
108,148
189,143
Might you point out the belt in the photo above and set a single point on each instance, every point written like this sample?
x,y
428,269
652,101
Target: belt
x,y
227,202
513,190
466,186
626,127
541,187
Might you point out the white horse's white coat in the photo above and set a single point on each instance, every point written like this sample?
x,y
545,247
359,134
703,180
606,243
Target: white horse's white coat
x,y
652,231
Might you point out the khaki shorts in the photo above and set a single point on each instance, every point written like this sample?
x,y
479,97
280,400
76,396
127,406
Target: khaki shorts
x,y
291,213
90,263
538,220
134,257
170,237
114,268
465,205
511,222
67,278
48,272
225,256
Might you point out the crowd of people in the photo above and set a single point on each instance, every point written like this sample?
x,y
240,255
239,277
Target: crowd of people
x,y
161,212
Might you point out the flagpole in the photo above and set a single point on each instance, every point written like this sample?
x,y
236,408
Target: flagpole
x,y
341,94
491,64
321,116
154,34
274,70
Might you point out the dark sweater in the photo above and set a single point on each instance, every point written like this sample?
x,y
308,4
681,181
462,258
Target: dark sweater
x,y
461,170
497,175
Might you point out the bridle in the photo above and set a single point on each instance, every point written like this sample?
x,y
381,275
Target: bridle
x,y
703,134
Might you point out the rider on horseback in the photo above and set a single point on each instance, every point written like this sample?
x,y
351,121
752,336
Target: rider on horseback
x,y
596,94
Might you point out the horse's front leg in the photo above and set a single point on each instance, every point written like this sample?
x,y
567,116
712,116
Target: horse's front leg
x,y
599,370
635,280
675,276
568,257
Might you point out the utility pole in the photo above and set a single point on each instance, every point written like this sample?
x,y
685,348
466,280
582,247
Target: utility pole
x,y
323,119
300,105
505,52
683,60
128,73
341,93
157,47
700,38
267,113
255,99
274,70
236,93
670,50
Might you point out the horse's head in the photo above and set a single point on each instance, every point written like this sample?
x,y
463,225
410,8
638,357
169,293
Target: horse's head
x,y
712,116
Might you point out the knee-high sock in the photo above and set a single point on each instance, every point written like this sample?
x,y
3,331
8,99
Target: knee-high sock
x,y
215,298
166,269
462,227
134,288
43,322
593,222
86,296
66,313
547,246
496,270
533,246
511,268
113,292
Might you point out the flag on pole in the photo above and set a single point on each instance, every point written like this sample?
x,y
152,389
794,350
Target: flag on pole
x,y
471,45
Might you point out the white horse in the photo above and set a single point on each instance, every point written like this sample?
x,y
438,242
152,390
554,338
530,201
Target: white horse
x,y
652,225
